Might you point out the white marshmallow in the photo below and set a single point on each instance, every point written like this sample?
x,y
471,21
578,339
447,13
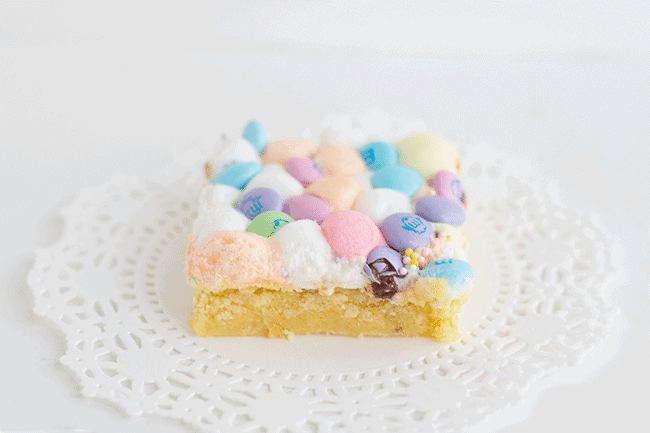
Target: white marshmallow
x,y
364,178
219,218
229,150
214,196
276,177
381,202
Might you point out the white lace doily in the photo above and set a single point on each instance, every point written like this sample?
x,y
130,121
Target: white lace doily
x,y
114,285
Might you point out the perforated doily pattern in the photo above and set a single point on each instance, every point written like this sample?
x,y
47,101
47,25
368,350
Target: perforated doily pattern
x,y
104,284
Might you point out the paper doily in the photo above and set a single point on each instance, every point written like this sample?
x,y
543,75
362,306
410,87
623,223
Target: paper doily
x,y
114,285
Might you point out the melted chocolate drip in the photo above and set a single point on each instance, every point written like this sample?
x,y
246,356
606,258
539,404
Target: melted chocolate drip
x,y
386,287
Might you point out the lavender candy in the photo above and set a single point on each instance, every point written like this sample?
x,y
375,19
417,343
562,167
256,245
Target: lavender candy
x,y
259,200
406,230
439,209
306,207
303,170
387,253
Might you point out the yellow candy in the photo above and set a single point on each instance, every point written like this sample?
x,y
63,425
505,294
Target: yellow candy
x,y
408,252
428,154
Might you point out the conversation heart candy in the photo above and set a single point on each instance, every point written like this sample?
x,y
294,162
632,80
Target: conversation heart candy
x,y
279,151
306,207
406,230
276,177
339,192
303,170
339,160
267,223
351,233
379,203
375,261
447,185
428,154
255,133
237,174
402,179
439,209
259,200
379,154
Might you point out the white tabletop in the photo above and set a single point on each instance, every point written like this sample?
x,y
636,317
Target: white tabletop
x,y
86,92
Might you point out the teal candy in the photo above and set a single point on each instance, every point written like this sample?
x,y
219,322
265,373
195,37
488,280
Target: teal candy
x,y
237,175
256,134
267,223
458,272
399,178
378,155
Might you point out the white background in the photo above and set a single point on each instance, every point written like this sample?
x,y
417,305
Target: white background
x,y
88,91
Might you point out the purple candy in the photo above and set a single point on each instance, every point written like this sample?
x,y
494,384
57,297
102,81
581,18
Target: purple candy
x,y
303,170
387,253
306,207
259,200
406,230
447,185
439,209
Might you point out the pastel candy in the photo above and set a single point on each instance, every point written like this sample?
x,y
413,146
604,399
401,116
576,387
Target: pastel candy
x,y
218,218
303,170
265,224
255,133
392,256
428,154
458,273
406,230
276,177
213,196
402,179
439,209
306,207
228,151
279,151
339,192
339,160
365,179
238,174
351,233
447,185
259,200
378,155
381,202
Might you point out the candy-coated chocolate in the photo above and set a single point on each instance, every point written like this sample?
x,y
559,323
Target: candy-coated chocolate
x,y
276,177
255,133
351,233
303,170
406,230
400,178
265,224
458,273
447,185
259,200
339,192
279,151
439,209
379,154
381,202
392,256
306,207
339,160
428,154
237,174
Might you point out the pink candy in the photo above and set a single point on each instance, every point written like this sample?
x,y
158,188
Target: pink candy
x,y
351,233
447,185
303,170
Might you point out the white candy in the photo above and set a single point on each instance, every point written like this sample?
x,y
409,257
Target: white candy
x,y
276,177
309,260
229,150
364,178
215,196
219,218
381,202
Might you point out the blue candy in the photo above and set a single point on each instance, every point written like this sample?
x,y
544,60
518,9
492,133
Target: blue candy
x,y
259,200
440,209
237,175
399,178
256,134
406,230
459,273
378,155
